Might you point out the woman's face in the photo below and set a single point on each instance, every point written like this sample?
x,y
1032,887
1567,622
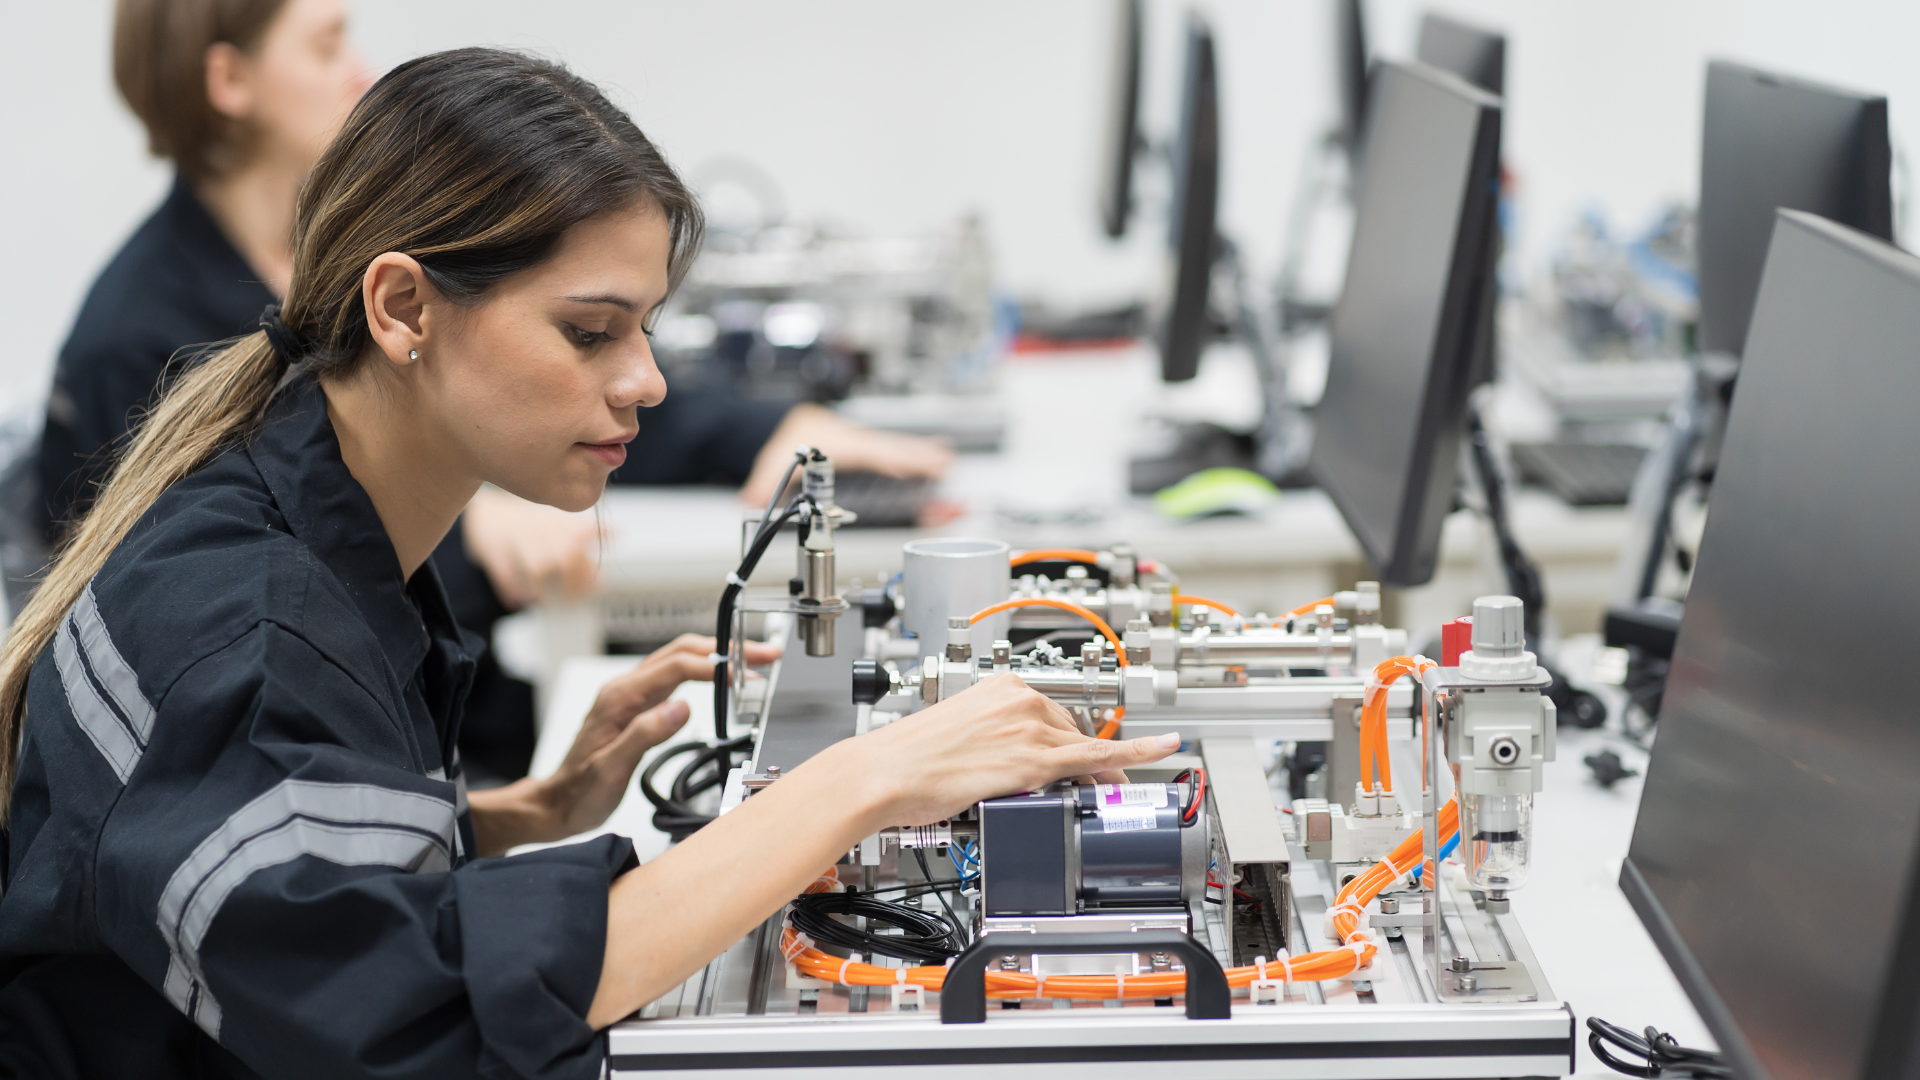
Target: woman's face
x,y
540,385
304,78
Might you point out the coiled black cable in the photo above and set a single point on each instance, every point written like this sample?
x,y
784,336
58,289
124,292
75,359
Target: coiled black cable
x,y
1664,1057
925,937
673,813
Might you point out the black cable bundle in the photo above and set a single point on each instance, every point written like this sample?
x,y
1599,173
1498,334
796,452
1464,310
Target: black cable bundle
x,y
1664,1056
925,937
673,813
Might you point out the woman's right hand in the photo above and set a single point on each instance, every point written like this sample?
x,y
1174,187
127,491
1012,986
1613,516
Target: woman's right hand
x,y
666,920
997,737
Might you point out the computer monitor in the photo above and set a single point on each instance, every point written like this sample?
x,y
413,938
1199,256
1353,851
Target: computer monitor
x,y
1123,119
1387,431
1191,238
1769,141
1476,55
1480,57
1350,69
1774,857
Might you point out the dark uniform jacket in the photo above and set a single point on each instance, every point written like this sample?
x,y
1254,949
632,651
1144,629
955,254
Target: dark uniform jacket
x,y
239,840
179,283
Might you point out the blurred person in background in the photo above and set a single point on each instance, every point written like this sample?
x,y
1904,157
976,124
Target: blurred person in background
x,y
243,96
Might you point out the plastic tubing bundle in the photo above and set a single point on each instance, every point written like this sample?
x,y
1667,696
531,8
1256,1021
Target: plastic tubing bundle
x,y
1373,718
1356,952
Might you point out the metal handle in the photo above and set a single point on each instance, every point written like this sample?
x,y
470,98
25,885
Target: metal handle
x,y
963,997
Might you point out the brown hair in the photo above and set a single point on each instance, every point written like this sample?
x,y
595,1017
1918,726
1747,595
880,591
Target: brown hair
x,y
160,65
475,162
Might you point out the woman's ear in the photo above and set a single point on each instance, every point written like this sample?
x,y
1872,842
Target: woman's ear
x,y
397,293
229,81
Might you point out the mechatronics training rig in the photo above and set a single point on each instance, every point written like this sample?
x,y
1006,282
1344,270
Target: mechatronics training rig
x,y
1180,922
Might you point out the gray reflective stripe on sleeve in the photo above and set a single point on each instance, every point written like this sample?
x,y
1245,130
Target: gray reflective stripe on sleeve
x,y
348,824
115,674
108,733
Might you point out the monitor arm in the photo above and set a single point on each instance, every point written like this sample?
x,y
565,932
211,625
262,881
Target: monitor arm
x,y
1523,578
1576,707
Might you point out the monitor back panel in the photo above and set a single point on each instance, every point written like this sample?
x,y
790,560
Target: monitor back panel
x,y
1476,55
1775,846
1387,430
1768,141
1191,225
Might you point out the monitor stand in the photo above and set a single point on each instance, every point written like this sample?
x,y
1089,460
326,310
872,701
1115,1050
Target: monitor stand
x,y
1640,621
1277,448
1576,707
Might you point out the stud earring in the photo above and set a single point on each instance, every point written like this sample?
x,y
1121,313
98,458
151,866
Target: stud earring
x,y
413,354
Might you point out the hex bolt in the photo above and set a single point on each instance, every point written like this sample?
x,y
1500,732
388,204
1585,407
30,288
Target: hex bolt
x,y
1389,905
773,771
1459,965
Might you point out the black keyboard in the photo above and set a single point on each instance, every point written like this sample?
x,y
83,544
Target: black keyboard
x,y
1584,474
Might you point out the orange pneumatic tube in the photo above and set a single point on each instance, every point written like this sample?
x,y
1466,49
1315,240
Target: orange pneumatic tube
x,y
1078,555
1373,716
1201,601
1111,727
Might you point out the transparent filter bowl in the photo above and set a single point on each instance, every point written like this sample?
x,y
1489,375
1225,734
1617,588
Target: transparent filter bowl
x,y
1497,831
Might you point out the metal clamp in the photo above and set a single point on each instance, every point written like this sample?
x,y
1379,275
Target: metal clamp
x,y
963,997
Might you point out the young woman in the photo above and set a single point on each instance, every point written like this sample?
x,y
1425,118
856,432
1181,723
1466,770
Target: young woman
x,y
239,842
242,95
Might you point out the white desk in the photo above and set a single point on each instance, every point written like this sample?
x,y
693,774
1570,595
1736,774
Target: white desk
x,y
1595,953
1072,424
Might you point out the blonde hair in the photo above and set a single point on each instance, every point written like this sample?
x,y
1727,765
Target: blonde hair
x,y
475,162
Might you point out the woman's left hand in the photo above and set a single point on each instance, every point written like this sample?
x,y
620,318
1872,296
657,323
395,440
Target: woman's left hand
x,y
631,715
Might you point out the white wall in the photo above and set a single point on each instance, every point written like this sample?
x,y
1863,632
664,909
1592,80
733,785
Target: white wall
x,y
894,116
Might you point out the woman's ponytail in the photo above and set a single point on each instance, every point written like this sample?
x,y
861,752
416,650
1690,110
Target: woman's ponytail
x,y
216,403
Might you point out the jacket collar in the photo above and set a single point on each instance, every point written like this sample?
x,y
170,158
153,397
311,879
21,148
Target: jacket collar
x,y
298,454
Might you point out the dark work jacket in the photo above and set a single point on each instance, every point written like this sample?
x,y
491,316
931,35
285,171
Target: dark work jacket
x,y
240,842
178,283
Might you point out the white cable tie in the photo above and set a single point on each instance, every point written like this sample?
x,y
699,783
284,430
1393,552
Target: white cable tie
x,y
1120,985
842,977
1261,963
1039,985
1285,960
715,658
900,975
734,579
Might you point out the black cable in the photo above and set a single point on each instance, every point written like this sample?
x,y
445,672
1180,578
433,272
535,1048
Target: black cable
x,y
672,813
799,458
920,857
925,937
1664,1057
723,630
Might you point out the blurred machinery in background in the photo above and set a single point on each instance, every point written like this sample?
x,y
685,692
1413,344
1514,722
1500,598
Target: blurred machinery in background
x,y
898,332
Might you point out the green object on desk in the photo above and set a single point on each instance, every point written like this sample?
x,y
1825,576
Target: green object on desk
x,y
1211,492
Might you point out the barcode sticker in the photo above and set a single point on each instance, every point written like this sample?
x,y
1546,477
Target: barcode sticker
x,y
1154,795
1127,818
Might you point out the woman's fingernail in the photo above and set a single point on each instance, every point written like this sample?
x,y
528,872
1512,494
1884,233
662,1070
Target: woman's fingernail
x,y
1169,741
